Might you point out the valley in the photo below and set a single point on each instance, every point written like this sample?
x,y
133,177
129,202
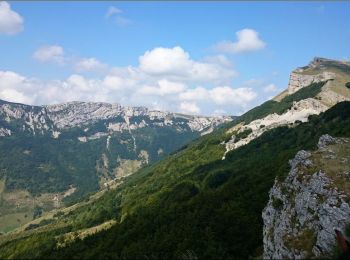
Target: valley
x,y
217,195
70,150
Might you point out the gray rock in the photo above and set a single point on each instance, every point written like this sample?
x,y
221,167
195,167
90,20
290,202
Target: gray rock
x,y
304,209
325,140
54,118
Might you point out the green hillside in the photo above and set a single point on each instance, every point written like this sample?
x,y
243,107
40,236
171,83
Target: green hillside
x,y
36,168
191,204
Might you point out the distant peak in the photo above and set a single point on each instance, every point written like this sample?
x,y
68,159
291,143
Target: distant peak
x,y
320,61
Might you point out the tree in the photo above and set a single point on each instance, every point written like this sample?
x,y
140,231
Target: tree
x,y
38,211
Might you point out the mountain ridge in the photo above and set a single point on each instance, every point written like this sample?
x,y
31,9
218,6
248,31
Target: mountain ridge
x,y
192,203
319,82
77,113
68,150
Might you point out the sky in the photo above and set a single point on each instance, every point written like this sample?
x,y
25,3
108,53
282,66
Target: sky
x,y
209,58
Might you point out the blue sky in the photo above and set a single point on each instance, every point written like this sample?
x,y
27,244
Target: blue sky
x,y
63,51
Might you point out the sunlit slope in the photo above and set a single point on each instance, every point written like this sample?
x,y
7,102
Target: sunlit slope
x,y
192,203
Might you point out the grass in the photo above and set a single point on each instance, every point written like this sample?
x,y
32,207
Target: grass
x,y
337,167
10,222
19,231
303,242
70,237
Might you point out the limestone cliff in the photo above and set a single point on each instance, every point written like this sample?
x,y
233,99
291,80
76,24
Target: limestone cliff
x,y
334,76
20,118
305,208
298,81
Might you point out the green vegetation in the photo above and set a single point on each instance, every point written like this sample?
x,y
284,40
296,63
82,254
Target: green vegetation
x,y
303,242
277,204
34,168
52,165
243,134
347,85
38,211
286,103
190,202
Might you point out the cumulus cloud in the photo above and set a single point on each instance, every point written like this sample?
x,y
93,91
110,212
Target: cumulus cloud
x,y
162,88
220,95
189,108
10,21
15,88
165,78
164,94
247,40
52,53
227,95
160,61
176,64
89,64
56,54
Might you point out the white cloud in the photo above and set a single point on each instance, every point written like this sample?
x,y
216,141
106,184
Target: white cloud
x,y
15,96
160,61
219,59
13,86
271,88
117,83
247,40
166,78
189,108
112,10
163,87
52,53
89,64
220,95
10,21
198,93
56,54
176,64
230,96
163,94
218,112
10,79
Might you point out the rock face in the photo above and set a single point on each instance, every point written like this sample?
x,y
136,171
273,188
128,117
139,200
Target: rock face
x,y
55,118
305,208
300,111
298,81
332,73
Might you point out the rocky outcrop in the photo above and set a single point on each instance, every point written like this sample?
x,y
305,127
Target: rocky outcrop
x,y
5,132
299,112
333,91
81,113
31,119
298,81
55,118
305,208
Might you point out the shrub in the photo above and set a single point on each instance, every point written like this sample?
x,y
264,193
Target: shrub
x,y
277,204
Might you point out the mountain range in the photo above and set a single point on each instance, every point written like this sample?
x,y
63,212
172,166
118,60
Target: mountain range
x,y
245,190
51,155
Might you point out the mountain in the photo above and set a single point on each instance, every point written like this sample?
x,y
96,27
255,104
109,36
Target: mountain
x,y
304,209
206,200
51,155
311,90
